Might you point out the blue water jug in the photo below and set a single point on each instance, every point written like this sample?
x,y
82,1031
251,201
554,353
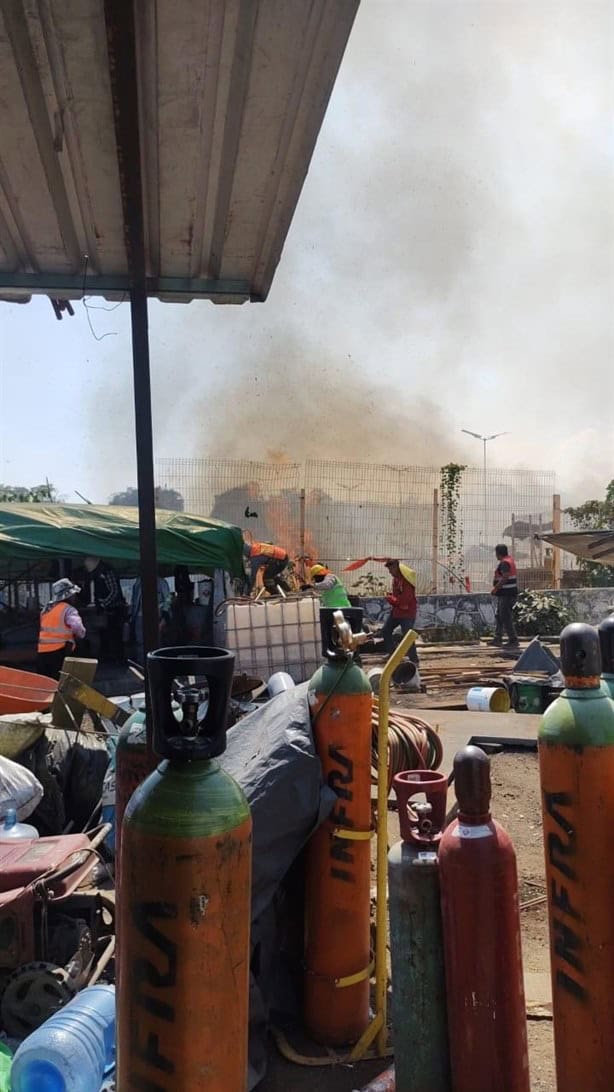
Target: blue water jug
x,y
73,1050
12,831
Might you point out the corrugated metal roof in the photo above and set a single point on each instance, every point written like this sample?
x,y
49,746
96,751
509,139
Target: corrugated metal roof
x,y
232,94
590,545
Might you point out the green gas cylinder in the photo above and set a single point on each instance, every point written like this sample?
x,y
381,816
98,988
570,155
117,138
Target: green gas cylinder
x,y
576,754
606,642
184,913
134,761
418,975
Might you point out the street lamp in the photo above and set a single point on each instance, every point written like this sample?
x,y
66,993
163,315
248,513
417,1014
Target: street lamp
x,y
485,440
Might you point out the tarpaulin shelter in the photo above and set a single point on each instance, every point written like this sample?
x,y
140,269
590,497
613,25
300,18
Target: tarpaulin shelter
x,y
37,532
157,149
590,545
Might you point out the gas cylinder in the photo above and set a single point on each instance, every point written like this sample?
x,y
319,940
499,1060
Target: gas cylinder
x,y
185,900
420,1030
576,758
134,761
337,924
606,642
481,929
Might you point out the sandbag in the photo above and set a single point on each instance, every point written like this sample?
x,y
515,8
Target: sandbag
x,y
19,789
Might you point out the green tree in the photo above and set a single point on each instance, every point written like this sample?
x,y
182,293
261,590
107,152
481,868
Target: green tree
x,y
24,494
165,498
595,515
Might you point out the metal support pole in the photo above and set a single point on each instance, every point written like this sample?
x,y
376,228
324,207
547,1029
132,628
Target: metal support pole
x,y
484,506
556,553
302,565
435,543
144,465
123,65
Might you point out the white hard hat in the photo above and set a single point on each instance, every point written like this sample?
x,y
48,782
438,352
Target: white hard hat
x,y
63,589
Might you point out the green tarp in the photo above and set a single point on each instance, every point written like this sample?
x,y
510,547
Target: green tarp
x,y
37,532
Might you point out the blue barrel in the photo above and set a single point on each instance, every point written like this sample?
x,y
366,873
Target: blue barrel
x,y
73,1050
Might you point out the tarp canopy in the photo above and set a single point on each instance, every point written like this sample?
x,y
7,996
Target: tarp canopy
x,y
38,532
591,545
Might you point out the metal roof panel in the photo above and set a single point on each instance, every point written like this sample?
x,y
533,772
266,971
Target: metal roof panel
x,y
231,100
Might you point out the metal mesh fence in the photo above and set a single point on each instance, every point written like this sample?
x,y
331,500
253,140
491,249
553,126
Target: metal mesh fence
x,y
342,511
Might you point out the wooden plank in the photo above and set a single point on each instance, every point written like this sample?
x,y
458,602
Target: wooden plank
x,y
84,670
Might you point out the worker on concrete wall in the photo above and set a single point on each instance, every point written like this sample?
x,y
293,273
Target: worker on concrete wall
x,y
271,559
329,587
403,605
110,602
61,627
505,590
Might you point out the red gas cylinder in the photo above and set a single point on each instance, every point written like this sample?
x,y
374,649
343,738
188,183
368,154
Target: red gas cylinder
x,y
481,928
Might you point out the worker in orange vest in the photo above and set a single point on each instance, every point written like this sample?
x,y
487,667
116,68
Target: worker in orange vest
x,y
60,628
272,559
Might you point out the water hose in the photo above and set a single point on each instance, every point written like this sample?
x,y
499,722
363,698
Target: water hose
x,y
413,744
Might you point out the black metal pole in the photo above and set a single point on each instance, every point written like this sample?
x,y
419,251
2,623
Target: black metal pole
x,y
145,465
123,69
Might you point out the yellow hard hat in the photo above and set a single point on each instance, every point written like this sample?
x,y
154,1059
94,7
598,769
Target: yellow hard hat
x,y
408,574
317,570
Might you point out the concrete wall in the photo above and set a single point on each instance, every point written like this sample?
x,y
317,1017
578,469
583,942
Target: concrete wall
x,y
476,612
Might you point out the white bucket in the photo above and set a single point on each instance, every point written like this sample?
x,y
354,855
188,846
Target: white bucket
x,y
279,682
488,699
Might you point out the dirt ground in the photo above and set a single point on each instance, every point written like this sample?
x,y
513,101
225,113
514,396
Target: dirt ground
x,y
516,804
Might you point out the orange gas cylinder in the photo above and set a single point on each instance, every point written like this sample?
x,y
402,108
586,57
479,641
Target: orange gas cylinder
x,y
337,937
576,758
186,885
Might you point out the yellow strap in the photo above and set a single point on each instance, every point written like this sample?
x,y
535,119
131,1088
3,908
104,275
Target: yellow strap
x,y
353,979
353,835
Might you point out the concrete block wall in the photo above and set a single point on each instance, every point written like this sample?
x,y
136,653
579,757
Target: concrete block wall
x,y
476,612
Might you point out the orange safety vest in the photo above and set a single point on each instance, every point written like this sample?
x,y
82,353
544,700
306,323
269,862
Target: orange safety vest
x,y
54,634
265,549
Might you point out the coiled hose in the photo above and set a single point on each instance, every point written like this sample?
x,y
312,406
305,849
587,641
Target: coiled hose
x,y
413,744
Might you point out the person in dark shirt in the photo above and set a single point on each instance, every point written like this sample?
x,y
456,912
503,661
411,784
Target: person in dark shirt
x,y
505,590
110,602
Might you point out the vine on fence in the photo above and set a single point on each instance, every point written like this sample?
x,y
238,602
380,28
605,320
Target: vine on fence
x,y
450,486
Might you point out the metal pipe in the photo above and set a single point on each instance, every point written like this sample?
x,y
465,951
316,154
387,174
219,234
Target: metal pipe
x,y
123,68
145,466
381,967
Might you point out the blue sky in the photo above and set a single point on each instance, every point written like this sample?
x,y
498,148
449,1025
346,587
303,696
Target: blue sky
x,y
450,265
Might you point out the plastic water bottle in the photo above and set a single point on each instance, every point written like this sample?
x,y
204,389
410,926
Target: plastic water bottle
x,y
12,831
74,1050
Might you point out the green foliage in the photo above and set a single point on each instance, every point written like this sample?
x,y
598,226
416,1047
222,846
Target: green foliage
x,y
22,494
540,613
370,586
450,486
165,498
595,515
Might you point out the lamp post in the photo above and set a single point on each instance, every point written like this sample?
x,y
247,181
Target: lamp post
x,y
485,440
